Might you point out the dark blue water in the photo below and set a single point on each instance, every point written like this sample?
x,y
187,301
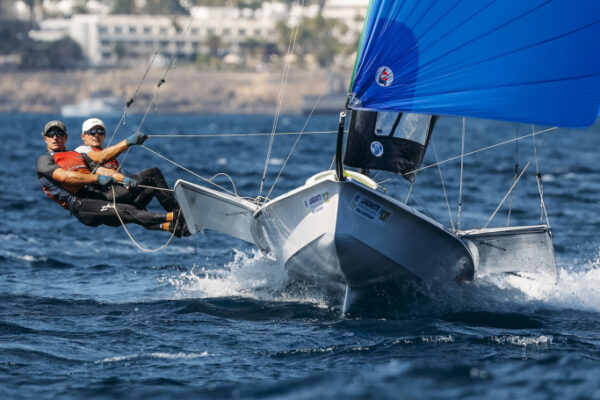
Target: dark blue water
x,y
85,314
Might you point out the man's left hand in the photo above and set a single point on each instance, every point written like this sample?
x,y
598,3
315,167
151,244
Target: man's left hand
x,y
136,138
130,183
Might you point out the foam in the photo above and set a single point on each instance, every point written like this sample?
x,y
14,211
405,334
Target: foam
x,y
255,275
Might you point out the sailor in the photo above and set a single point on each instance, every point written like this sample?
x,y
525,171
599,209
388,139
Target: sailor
x,y
67,178
93,134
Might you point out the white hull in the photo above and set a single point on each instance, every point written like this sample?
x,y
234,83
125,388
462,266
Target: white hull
x,y
336,234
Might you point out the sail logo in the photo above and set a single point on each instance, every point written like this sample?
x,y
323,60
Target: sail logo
x,y
384,76
376,148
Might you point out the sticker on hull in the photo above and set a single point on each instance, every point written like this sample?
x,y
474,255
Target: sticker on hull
x,y
370,209
316,203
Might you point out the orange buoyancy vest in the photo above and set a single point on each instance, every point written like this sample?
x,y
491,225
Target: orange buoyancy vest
x,y
71,161
113,164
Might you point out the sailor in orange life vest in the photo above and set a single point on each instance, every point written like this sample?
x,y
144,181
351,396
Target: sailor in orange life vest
x,y
67,178
93,133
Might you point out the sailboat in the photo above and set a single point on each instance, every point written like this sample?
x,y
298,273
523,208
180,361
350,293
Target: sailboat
x,y
534,62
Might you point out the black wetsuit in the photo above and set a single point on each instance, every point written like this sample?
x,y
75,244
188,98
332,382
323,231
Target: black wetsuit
x,y
91,204
141,197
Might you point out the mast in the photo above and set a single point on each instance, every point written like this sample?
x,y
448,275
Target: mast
x,y
339,166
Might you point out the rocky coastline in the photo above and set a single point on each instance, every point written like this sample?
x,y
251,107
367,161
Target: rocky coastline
x,y
186,90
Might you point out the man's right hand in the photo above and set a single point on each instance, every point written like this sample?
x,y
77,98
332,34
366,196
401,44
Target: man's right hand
x,y
137,138
105,180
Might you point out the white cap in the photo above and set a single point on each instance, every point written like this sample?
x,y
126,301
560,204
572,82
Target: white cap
x,y
90,123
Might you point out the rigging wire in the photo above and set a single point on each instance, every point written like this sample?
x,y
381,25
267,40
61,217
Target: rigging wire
x,y
160,82
135,94
207,180
286,70
515,182
481,150
315,105
443,185
538,176
213,135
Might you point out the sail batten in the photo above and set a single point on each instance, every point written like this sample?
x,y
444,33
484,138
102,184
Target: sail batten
x,y
532,62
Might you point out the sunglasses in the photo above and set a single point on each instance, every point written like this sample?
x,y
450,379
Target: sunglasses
x,y
52,134
96,131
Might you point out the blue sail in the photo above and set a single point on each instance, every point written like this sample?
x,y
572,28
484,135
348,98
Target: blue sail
x,y
531,61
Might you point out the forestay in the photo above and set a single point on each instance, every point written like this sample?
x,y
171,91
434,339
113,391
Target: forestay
x,y
534,61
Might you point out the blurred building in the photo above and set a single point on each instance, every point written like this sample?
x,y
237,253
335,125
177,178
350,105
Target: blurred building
x,y
107,40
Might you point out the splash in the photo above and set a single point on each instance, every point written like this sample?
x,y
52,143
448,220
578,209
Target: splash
x,y
573,289
255,275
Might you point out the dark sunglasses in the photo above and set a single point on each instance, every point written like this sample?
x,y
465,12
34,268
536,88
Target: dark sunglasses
x,y
51,134
96,131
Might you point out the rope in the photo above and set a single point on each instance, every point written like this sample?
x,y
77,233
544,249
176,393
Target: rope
x,y
514,184
209,135
131,237
282,87
155,188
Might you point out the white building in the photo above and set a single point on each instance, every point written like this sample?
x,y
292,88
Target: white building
x,y
109,39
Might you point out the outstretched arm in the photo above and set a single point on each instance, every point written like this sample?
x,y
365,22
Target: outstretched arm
x,y
112,152
109,153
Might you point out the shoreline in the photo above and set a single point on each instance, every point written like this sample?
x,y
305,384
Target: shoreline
x,y
185,91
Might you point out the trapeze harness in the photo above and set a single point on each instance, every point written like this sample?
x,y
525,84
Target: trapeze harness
x,y
69,161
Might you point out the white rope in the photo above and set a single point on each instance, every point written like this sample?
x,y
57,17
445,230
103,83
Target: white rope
x,y
462,158
443,185
131,237
282,88
210,135
514,184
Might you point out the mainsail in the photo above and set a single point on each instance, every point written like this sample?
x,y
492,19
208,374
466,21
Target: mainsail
x,y
535,61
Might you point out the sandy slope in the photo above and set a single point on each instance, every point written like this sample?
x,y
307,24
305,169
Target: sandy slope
x,y
186,90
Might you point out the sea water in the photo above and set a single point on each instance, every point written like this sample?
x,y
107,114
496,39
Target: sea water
x,y
85,314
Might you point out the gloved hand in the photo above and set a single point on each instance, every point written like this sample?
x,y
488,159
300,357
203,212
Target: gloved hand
x,y
130,182
136,138
105,180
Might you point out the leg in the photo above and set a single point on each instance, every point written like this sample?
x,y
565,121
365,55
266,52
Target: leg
x,y
94,212
154,177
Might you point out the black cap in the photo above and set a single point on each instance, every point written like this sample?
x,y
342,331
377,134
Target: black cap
x,y
54,124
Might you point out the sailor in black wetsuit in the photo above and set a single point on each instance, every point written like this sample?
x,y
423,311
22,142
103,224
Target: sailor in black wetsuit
x,y
93,134
67,178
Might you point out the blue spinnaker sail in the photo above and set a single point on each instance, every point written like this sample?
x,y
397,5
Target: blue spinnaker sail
x,y
531,61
